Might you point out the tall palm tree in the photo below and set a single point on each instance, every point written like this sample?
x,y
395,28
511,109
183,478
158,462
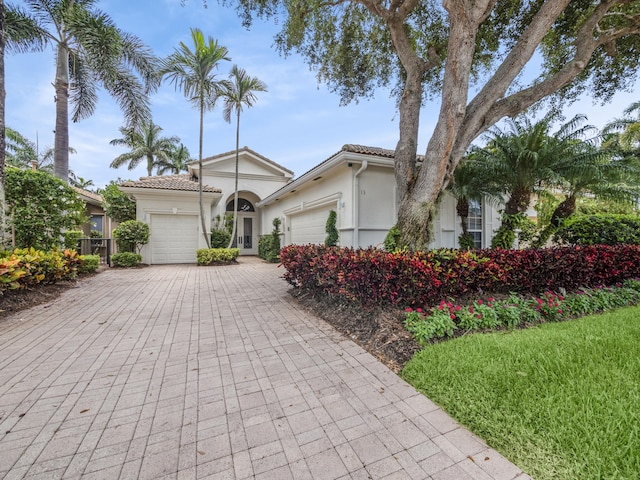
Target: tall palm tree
x,y
90,52
193,72
178,160
240,91
145,143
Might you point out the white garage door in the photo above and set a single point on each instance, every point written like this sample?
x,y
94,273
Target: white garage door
x,y
309,226
174,238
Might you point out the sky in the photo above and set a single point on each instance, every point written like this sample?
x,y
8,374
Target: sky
x,y
297,123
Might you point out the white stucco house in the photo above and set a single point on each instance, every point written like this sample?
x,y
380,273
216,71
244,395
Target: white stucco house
x,y
357,182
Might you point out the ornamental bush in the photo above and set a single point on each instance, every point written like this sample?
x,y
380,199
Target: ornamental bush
x,y
331,229
89,263
28,267
126,259
131,235
374,277
269,245
602,229
217,256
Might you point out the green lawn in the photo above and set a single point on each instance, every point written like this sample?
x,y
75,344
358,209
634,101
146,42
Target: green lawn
x,y
560,400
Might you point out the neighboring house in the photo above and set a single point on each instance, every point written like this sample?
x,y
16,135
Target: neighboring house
x,y
357,182
94,211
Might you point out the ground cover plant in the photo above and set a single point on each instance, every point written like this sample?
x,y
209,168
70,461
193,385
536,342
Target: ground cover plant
x,y
450,318
561,400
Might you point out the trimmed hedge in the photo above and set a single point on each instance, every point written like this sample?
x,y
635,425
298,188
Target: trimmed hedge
x,y
217,256
89,263
126,259
603,229
374,277
28,267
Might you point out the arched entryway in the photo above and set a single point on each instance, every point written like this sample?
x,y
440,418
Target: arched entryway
x,y
246,238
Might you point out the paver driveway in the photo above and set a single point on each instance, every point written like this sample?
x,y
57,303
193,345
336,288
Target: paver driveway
x,y
192,372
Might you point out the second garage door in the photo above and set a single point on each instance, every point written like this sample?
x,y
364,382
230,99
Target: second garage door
x,y
174,238
309,226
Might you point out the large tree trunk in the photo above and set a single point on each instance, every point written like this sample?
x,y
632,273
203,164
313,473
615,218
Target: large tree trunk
x,y
418,205
2,128
61,145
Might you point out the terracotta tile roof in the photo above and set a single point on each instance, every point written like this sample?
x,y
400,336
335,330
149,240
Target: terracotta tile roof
x,y
89,194
382,152
184,182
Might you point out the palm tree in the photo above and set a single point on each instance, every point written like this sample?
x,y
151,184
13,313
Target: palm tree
x,y
193,72
80,182
92,52
469,184
238,92
624,133
529,159
24,153
145,143
178,161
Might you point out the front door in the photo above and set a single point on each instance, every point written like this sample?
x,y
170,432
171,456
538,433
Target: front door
x,y
245,239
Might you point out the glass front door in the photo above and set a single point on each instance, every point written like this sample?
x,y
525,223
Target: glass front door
x,y
247,234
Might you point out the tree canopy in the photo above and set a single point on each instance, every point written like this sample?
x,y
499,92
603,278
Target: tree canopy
x,y
484,60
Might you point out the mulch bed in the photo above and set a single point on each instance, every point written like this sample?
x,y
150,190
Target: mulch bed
x,y
17,300
381,332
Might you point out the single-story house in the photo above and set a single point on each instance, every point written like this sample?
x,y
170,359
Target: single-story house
x,y
357,182
98,220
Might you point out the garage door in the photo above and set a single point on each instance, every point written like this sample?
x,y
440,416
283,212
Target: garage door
x,y
309,226
174,238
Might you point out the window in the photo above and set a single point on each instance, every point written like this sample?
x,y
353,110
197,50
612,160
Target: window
x,y
243,206
96,222
474,222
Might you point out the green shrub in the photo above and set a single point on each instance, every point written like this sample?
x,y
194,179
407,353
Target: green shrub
x,y
42,207
220,238
126,259
269,245
95,234
131,235
466,242
217,256
331,230
89,263
391,240
603,229
117,204
28,267
71,238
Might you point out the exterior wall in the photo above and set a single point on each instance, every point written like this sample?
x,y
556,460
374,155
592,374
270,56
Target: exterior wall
x,y
377,206
367,208
331,190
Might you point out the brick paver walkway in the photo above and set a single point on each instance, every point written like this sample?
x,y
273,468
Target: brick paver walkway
x,y
184,372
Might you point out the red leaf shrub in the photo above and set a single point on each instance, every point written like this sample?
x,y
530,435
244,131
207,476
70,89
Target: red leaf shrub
x,y
376,277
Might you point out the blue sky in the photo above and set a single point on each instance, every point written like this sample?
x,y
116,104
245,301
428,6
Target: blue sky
x,y
297,123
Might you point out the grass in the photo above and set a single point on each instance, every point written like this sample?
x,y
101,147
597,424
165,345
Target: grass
x,y
562,400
